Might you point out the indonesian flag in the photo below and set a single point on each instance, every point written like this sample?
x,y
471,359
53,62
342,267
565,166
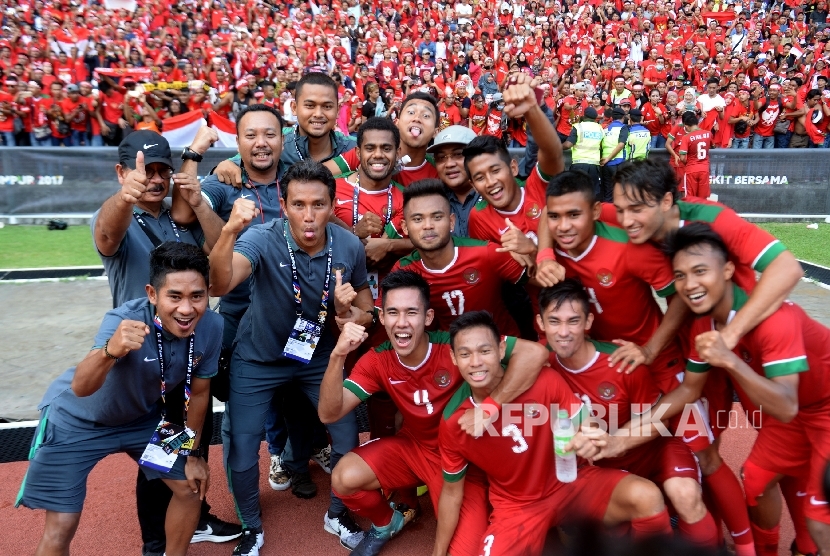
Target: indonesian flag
x,y
180,131
65,41
116,5
797,52
137,74
226,130
723,18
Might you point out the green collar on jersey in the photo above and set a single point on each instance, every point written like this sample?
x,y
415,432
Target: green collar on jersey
x,y
415,256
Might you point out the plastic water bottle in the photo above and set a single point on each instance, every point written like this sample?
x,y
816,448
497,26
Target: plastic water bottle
x,y
565,461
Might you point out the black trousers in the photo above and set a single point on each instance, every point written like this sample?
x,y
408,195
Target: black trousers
x,y
153,497
607,173
593,172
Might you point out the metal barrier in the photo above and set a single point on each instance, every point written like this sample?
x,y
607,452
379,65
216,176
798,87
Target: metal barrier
x,y
55,181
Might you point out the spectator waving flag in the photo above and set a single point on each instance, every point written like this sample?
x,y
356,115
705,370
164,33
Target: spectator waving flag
x,y
181,130
225,128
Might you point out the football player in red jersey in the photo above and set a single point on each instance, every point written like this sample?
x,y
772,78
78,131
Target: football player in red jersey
x,y
780,367
566,320
693,150
369,201
516,454
416,370
464,274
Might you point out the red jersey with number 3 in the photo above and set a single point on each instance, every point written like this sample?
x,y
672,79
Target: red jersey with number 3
x,y
619,276
420,393
376,202
696,146
487,222
471,282
524,442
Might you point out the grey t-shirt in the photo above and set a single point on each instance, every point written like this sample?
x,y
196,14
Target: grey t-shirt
x,y
271,316
132,388
128,270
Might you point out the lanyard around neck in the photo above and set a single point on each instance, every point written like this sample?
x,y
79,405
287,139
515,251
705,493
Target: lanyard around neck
x,y
188,374
321,316
357,196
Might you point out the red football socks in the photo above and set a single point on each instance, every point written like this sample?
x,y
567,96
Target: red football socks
x,y
703,532
725,491
370,504
658,524
766,540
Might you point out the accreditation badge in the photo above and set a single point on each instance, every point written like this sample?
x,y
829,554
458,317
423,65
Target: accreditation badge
x,y
303,340
163,449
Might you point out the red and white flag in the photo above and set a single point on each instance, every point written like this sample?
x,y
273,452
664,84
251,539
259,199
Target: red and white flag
x,y
797,52
180,131
226,130
137,74
116,5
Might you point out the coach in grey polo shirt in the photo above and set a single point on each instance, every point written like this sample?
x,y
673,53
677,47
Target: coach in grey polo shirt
x,y
136,219
321,253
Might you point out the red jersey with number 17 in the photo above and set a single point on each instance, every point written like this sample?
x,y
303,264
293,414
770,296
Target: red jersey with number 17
x,y
618,276
696,146
524,442
420,393
471,282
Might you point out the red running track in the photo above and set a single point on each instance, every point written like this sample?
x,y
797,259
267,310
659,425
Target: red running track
x,y
293,527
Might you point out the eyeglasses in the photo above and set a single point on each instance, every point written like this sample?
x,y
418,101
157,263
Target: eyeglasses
x,y
165,174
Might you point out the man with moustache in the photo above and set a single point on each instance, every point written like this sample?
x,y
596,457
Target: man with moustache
x,y
448,154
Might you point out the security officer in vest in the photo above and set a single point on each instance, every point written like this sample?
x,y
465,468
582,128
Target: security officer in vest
x,y
639,137
586,141
613,152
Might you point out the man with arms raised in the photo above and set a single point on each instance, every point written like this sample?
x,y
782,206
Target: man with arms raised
x,y
118,398
516,453
415,369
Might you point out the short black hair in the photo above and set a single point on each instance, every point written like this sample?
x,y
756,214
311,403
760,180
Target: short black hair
x,y
266,83
315,78
693,235
401,279
420,95
570,290
572,181
259,108
647,181
711,80
814,93
473,319
485,144
175,256
424,188
376,123
305,171
689,118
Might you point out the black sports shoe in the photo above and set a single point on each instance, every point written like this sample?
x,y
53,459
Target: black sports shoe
x,y
214,529
302,486
249,543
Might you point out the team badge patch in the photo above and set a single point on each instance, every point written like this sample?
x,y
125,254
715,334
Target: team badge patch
x,y
605,278
746,356
442,378
532,409
471,275
606,391
534,211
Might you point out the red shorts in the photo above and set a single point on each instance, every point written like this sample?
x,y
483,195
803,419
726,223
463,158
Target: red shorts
x,y
400,462
661,459
800,448
705,420
518,529
696,184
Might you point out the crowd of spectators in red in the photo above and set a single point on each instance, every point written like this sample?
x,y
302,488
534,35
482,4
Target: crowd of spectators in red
x,y
83,73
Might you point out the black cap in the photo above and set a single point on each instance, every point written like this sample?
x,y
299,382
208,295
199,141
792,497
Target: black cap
x,y
154,146
617,113
635,112
591,113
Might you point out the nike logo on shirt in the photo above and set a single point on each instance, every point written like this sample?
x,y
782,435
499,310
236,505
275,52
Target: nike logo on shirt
x,y
147,359
396,381
681,469
339,202
283,265
153,145
816,502
504,231
244,196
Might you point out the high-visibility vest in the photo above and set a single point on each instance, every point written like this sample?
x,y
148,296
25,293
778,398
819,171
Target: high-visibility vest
x,y
639,139
610,142
588,147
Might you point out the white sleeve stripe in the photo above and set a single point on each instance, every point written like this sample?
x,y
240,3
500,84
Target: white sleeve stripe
x,y
763,252
782,361
209,201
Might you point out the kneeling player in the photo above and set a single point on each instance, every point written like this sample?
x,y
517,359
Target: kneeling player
x,y
516,453
416,370
583,363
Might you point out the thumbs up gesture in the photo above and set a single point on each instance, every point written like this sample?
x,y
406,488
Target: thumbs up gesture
x,y
135,183
344,294
515,240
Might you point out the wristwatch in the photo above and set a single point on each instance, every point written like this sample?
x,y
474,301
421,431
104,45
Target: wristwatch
x,y
190,154
196,453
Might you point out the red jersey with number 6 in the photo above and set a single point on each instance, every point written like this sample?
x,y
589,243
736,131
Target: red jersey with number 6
x,y
695,146
420,393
